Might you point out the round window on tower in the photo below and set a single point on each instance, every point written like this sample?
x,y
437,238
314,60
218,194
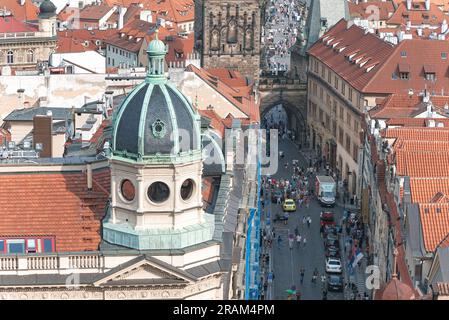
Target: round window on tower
x,y
158,192
128,190
187,189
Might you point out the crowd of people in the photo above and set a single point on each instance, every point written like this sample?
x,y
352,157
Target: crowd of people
x,y
281,29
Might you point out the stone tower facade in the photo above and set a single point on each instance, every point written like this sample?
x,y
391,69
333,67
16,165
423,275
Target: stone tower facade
x,y
231,35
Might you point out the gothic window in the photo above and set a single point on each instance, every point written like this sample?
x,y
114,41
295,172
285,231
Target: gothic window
x,y
30,56
215,40
10,57
232,32
249,43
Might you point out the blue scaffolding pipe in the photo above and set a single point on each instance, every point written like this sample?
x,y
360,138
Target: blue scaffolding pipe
x,y
252,282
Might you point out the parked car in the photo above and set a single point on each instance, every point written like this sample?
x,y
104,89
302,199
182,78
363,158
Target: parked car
x,y
327,218
329,229
333,265
331,252
289,205
335,283
275,195
330,243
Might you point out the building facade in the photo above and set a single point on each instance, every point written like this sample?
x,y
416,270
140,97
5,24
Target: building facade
x,y
23,45
231,36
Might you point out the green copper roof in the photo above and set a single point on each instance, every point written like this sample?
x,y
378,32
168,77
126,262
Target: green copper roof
x,y
156,123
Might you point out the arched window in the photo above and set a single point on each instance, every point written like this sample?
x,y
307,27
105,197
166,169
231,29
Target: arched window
x,y
30,56
10,57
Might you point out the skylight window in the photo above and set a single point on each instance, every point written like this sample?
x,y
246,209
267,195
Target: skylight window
x,y
444,55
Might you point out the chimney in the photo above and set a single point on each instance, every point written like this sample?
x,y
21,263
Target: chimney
x,y
20,95
22,2
444,26
419,30
121,16
427,4
89,176
409,4
42,134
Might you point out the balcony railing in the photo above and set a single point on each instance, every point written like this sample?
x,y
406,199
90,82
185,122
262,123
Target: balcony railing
x,y
51,262
16,35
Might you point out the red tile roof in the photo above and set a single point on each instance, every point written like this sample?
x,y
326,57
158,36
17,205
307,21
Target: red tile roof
x,y
11,24
340,44
426,190
94,12
354,43
55,204
422,164
417,16
364,10
416,122
418,53
27,12
76,40
241,97
429,134
216,122
435,223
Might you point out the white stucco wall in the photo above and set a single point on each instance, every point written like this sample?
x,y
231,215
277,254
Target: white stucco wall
x,y
62,90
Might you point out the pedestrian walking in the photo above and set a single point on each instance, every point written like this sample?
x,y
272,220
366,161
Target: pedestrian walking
x,y
304,220
298,240
304,241
296,231
302,271
279,241
309,221
315,275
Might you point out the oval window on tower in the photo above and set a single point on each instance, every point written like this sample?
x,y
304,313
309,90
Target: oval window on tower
x,y
187,189
158,192
128,190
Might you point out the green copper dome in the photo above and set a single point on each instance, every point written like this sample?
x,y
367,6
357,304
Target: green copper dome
x,y
156,123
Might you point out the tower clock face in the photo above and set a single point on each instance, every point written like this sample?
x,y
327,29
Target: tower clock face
x,y
158,192
127,189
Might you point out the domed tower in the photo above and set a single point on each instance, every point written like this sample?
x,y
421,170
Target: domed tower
x,y
47,18
156,167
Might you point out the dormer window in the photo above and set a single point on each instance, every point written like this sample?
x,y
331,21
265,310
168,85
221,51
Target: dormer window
x,y
444,55
403,54
430,72
404,71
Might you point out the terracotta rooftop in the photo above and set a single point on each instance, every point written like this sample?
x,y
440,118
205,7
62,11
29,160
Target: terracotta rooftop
x,y
411,133
435,223
417,122
429,190
127,37
418,15
422,163
241,97
373,66
340,43
27,12
216,122
363,9
80,40
12,24
54,204
94,12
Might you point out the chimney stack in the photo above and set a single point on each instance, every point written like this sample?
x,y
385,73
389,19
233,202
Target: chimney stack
x,y
21,97
427,4
89,176
22,2
409,4
444,26
42,134
121,16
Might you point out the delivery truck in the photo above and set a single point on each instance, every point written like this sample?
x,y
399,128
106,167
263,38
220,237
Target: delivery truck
x,y
325,189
